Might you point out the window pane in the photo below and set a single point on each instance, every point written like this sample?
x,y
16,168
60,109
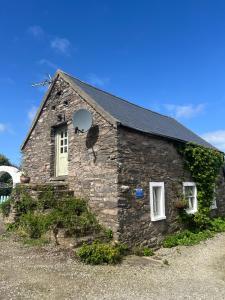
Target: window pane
x,y
65,149
191,202
61,150
156,200
190,194
65,142
61,134
65,133
61,143
189,191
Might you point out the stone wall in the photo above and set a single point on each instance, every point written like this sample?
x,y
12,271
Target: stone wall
x,y
144,159
107,164
92,157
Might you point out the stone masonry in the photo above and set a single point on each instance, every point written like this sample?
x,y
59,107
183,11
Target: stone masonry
x,y
144,158
107,164
92,172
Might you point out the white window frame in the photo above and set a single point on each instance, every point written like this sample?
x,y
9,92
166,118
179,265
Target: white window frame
x,y
195,209
214,203
162,215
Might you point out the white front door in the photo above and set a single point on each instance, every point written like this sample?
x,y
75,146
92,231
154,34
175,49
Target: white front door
x,y
61,151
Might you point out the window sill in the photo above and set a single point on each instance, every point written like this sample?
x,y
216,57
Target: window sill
x,y
154,219
214,207
190,212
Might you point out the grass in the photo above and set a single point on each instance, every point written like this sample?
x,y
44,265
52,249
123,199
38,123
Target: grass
x,y
186,238
193,237
142,251
36,242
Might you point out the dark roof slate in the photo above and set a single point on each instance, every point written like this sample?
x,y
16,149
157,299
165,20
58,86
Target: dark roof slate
x,y
139,118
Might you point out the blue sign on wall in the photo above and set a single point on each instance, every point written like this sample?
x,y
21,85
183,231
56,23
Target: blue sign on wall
x,y
139,193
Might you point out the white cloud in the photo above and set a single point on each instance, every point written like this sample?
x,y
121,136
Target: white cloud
x,y
47,63
216,138
36,31
98,81
185,111
32,112
3,127
61,45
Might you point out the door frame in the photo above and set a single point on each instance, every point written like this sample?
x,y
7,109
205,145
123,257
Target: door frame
x,y
56,154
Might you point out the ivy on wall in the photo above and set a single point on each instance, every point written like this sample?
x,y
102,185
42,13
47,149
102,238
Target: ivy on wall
x,y
204,165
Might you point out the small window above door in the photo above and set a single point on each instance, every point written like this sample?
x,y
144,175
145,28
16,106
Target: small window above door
x,y
63,141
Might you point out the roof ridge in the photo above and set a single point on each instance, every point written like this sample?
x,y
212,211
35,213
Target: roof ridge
x,y
121,99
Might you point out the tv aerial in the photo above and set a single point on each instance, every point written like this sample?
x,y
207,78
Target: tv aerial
x,y
46,82
82,120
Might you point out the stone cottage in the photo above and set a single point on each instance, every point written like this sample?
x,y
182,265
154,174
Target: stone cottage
x,y
126,165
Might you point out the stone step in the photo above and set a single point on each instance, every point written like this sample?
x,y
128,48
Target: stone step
x,y
64,193
59,189
41,187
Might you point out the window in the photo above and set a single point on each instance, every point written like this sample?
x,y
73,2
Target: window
x,y
190,194
157,201
214,204
63,141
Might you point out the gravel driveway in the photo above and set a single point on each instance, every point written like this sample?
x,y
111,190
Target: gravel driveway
x,y
196,272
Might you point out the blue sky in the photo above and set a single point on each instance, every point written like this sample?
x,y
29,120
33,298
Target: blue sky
x,y
166,55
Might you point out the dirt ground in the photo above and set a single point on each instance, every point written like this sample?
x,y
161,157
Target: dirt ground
x,y
196,272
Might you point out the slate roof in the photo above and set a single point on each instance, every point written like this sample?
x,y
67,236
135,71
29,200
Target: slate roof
x,y
139,118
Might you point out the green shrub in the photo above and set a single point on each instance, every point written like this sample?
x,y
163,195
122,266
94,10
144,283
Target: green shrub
x,y
46,198
204,165
71,205
142,251
108,233
194,236
5,208
11,226
35,224
100,253
25,205
123,248
148,251
73,215
217,225
69,213
186,238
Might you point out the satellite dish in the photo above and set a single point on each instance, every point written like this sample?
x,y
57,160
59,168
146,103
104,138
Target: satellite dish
x,y
82,120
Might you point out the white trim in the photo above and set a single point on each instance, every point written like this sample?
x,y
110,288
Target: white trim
x,y
162,215
194,210
214,203
61,156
